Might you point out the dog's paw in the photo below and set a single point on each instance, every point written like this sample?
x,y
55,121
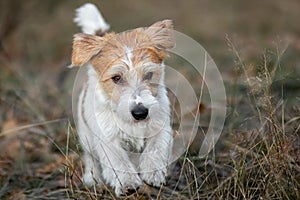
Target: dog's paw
x,y
152,174
127,183
153,170
155,178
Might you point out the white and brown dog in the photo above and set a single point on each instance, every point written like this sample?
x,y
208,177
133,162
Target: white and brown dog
x,y
123,110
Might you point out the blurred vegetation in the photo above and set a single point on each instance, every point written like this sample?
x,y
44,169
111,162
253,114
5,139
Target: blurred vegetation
x,y
255,44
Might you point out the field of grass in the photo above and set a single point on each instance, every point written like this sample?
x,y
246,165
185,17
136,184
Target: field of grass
x,y
255,44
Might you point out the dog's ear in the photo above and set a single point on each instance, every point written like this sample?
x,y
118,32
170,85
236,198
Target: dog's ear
x,y
161,34
85,47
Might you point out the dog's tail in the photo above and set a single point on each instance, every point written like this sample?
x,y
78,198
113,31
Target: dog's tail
x,y
90,20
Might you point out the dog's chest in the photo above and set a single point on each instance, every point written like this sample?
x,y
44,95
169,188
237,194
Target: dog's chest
x,y
134,140
133,145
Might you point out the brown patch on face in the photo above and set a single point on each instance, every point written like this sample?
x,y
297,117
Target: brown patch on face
x,y
148,54
147,45
112,90
110,54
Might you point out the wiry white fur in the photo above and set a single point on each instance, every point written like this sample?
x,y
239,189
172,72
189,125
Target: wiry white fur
x,y
109,126
138,99
89,18
128,57
107,130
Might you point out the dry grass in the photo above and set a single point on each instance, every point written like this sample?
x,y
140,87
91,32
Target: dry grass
x,y
264,158
257,157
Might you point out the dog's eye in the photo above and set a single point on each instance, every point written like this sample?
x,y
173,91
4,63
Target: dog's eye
x,y
148,76
116,79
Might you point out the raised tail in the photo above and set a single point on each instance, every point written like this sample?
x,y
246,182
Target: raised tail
x,y
90,20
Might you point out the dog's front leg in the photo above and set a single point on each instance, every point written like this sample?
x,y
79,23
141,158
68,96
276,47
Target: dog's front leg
x,y
156,156
117,169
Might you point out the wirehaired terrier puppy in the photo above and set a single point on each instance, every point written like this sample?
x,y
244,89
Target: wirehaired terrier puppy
x,y
123,108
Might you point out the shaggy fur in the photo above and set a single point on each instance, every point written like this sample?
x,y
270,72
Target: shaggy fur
x,y
125,72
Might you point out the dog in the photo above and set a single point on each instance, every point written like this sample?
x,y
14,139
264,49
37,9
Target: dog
x,y
124,122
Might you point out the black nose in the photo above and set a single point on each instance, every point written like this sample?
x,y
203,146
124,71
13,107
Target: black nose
x,y
139,112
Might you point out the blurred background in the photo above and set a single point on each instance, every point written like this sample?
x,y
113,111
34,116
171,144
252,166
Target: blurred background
x,y
41,32
36,86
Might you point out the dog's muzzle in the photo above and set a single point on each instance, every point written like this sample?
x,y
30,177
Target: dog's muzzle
x,y
139,112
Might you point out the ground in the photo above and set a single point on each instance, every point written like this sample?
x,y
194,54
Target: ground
x,y
256,46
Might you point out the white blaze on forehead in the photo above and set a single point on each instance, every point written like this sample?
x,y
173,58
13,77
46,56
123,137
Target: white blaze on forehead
x,y
138,99
128,57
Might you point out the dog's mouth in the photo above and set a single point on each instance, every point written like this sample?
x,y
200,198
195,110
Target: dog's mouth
x,y
141,121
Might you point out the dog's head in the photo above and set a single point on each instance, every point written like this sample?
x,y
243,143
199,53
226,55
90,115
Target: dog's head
x,y
129,66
